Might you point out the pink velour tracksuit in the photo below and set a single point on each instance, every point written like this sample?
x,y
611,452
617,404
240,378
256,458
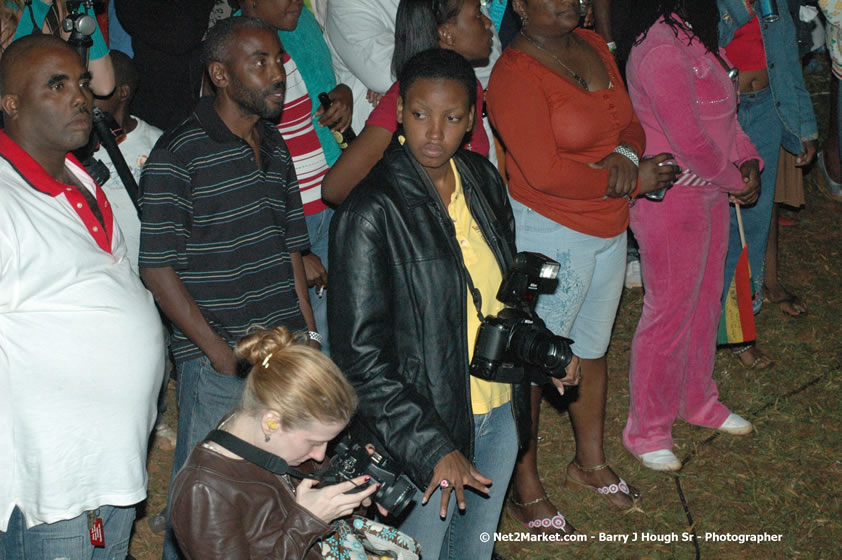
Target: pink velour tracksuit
x,y
687,105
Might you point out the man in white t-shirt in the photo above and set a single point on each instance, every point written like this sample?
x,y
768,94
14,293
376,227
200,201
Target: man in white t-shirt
x,y
81,347
135,143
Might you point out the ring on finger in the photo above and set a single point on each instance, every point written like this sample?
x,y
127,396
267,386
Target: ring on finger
x,y
444,483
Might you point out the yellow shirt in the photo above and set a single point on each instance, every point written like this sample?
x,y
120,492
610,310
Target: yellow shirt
x,y
486,276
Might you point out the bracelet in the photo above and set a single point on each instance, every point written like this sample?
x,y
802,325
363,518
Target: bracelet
x,y
629,153
315,336
612,47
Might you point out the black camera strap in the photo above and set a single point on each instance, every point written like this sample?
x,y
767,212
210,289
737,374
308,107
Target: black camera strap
x,y
476,296
254,455
36,30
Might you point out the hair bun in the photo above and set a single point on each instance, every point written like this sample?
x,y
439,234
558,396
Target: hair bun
x,y
255,347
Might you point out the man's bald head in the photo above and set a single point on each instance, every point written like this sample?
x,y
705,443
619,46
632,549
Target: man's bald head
x,y
45,98
18,58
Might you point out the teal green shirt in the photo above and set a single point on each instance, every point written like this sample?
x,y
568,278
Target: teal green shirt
x,y
40,10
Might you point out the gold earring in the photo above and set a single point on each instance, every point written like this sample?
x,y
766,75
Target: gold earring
x,y
272,424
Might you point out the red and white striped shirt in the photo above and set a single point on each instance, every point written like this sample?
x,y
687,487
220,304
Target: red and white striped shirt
x,y
297,129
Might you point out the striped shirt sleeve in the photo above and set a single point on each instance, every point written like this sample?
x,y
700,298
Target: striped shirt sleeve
x,y
166,210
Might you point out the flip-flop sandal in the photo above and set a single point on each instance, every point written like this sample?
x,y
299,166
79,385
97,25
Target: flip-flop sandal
x,y
556,524
793,301
761,360
620,488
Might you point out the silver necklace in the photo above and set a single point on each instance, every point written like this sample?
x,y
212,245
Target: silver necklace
x,y
583,83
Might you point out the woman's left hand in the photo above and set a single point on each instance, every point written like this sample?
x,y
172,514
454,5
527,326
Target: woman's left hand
x,y
574,375
806,157
373,97
657,173
750,170
622,174
452,474
334,501
338,117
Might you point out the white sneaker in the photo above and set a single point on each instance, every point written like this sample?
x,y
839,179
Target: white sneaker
x,y
633,278
736,425
660,460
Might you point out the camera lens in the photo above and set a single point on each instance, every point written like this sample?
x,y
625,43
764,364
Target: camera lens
x,y
538,346
395,497
489,348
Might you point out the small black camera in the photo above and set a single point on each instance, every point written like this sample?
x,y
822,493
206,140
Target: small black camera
x,y
517,336
351,460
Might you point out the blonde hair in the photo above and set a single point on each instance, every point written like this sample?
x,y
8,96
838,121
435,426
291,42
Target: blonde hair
x,y
295,380
10,12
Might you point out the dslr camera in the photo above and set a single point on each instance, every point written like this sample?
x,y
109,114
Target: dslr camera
x,y
517,337
351,460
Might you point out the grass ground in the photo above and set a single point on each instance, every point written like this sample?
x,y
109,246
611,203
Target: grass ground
x,y
783,480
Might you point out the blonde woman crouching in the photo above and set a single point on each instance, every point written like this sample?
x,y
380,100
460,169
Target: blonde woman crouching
x,y
295,401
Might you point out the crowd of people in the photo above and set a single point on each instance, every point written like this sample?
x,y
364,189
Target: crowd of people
x,y
303,289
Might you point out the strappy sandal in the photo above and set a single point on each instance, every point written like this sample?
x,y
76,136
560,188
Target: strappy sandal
x,y
610,491
556,524
761,360
790,300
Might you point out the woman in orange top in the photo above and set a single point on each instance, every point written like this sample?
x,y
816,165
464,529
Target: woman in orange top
x,y
573,143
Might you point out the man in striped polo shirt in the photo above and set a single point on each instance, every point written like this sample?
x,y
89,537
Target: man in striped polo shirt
x,y
222,225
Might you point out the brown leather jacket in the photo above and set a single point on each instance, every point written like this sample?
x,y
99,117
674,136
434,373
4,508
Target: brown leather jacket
x,y
228,508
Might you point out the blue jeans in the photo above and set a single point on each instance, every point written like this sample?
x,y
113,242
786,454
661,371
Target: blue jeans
x,y
760,122
68,539
318,226
204,398
458,536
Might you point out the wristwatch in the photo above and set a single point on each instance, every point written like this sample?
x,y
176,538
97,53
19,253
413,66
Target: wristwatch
x,y
316,337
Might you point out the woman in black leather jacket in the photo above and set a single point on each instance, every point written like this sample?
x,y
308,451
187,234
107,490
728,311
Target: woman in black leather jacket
x,y
404,323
